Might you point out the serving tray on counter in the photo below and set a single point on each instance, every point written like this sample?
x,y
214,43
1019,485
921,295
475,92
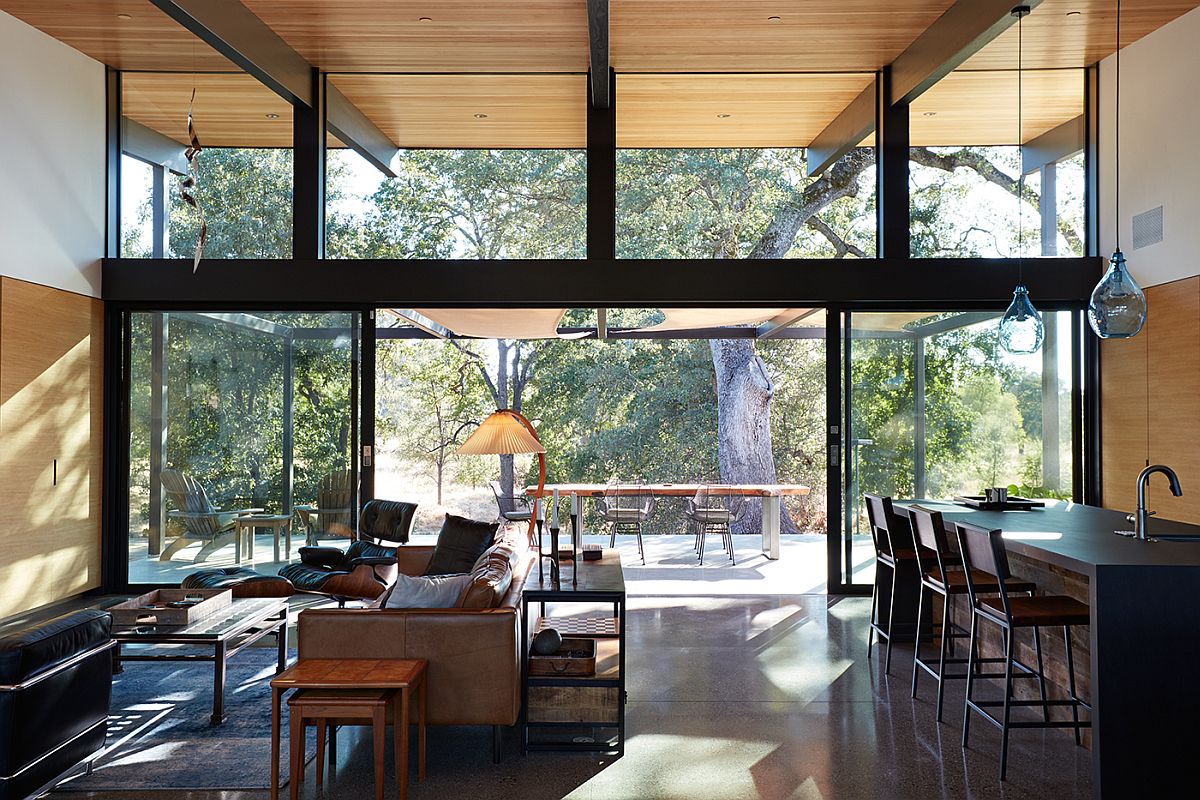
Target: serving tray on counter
x,y
1011,504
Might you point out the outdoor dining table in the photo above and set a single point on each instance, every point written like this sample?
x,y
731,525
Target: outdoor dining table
x,y
772,495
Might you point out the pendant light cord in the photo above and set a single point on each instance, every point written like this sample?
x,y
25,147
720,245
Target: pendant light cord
x,y
1020,154
1117,138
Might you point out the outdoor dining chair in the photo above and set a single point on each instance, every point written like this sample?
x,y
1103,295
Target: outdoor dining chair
x,y
626,507
716,509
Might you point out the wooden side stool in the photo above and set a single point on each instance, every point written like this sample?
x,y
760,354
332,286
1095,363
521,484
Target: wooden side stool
x,y
335,706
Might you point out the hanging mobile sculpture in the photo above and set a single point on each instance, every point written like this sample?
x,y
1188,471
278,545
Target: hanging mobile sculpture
x,y
187,188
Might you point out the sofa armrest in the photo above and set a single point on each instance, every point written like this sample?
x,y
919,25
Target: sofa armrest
x,y
330,557
414,559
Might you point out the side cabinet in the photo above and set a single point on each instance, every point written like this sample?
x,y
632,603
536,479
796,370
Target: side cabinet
x,y
51,427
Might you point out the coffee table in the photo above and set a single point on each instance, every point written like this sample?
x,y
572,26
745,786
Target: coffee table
x,y
227,632
404,674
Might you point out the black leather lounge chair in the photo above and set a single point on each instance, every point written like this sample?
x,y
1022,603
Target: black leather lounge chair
x,y
367,568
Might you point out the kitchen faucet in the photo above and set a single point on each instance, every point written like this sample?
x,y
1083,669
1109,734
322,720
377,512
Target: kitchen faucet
x,y
1139,528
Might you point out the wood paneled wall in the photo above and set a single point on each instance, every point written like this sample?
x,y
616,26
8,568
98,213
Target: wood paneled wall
x,y
51,424
1150,404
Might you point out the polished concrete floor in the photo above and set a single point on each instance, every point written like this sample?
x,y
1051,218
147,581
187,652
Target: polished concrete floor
x,y
737,694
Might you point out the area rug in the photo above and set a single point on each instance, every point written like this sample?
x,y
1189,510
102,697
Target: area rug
x,y
160,737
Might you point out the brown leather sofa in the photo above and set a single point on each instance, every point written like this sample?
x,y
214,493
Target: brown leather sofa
x,y
474,654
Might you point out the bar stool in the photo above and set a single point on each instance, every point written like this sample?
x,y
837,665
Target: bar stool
x,y
935,559
882,521
983,550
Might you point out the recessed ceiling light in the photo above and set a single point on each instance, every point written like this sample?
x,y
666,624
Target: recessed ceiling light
x,y
481,116
929,114
272,116
724,116
774,20
1074,13
424,19
124,17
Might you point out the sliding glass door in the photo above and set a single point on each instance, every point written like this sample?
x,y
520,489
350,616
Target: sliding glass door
x,y
236,413
933,408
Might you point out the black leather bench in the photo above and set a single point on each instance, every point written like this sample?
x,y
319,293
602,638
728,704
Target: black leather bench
x,y
55,687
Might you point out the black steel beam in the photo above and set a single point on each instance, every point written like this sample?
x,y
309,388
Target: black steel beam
x,y
150,146
954,37
308,173
602,178
851,126
357,132
1054,145
965,283
236,33
891,172
599,76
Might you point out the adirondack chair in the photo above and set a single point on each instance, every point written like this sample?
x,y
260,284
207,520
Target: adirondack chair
x,y
334,513
201,521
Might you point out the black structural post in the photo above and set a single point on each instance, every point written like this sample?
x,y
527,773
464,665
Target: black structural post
x,y
308,174
112,163
602,175
1091,161
891,171
366,425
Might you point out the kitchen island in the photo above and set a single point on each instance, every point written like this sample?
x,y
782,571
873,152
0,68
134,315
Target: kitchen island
x,y
1144,635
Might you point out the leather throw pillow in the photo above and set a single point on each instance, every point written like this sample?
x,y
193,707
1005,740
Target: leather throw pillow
x,y
435,591
460,544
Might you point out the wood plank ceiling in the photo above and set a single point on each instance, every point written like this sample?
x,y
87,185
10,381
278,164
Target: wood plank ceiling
x,y
522,111
1056,37
980,108
765,35
659,48
757,110
124,34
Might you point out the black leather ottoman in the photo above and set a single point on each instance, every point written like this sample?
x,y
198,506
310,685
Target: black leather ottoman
x,y
243,581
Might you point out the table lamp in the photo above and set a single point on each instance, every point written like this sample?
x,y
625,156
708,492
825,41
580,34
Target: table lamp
x,y
508,432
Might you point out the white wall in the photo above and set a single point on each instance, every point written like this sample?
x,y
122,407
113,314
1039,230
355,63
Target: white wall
x,y
51,161
1160,132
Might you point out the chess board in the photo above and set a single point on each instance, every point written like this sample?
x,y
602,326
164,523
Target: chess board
x,y
579,626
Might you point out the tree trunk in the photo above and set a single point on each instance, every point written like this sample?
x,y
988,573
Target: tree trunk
x,y
744,393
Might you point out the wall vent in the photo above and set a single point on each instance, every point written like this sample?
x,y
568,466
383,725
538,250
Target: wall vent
x,y
1148,228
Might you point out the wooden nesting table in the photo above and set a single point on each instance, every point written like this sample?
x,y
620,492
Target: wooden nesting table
x,y
402,675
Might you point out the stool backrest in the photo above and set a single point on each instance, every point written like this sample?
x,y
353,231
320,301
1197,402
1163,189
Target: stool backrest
x,y
929,534
882,521
983,550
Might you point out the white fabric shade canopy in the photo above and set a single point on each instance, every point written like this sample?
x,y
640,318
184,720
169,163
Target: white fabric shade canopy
x,y
543,323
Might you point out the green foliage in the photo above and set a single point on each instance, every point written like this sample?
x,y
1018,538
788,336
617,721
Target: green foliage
x,y
225,407
634,408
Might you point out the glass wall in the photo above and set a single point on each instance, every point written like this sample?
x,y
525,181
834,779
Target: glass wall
x,y
243,175
937,410
966,164
234,414
743,203
458,204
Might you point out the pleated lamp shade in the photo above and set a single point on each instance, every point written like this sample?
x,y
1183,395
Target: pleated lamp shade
x,y
501,434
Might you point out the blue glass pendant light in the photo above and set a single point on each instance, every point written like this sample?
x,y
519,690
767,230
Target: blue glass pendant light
x,y
1117,309
1021,328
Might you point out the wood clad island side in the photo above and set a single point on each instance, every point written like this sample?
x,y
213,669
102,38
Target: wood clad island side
x,y
1144,635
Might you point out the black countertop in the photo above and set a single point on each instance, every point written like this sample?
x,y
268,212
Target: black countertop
x,y
1077,537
